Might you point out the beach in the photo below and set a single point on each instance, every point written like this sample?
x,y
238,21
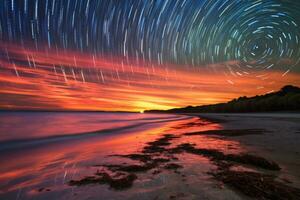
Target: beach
x,y
149,156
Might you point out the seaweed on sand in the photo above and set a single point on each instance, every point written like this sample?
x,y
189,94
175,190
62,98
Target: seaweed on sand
x,y
157,152
159,145
257,185
135,156
132,168
253,160
172,166
149,161
121,181
216,155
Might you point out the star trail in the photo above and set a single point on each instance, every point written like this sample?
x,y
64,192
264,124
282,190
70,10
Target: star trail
x,y
131,54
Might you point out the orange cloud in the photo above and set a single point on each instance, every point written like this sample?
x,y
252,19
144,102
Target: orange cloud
x,y
58,80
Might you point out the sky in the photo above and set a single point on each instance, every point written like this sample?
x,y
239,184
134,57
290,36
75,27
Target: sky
x,y
133,55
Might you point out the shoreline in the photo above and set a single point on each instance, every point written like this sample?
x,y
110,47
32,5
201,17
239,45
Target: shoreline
x,y
232,169
23,143
279,142
190,158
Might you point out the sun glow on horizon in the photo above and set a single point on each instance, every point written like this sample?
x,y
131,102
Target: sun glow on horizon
x,y
140,55
62,80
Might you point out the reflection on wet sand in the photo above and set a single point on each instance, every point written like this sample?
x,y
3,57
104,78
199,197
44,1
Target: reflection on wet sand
x,y
51,166
142,162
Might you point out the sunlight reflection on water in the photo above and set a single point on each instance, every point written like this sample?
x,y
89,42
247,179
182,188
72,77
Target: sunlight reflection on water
x,y
31,172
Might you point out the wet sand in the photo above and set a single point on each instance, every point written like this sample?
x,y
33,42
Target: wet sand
x,y
192,158
279,142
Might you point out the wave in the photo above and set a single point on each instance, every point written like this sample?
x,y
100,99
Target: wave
x,y
130,120
23,143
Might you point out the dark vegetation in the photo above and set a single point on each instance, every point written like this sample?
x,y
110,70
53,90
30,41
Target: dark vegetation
x,y
219,156
158,156
257,185
286,99
172,166
119,181
150,158
253,184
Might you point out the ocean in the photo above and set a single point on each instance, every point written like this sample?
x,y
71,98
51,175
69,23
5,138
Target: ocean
x,y
19,128
47,149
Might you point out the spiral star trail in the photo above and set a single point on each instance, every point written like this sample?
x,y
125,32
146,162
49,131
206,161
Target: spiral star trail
x,y
133,53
